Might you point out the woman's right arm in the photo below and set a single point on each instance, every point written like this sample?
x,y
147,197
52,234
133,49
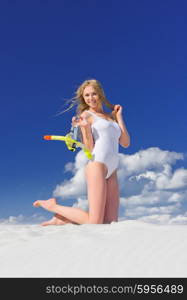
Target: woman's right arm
x,y
87,137
86,131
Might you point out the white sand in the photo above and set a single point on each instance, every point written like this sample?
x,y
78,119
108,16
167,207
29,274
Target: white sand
x,y
124,249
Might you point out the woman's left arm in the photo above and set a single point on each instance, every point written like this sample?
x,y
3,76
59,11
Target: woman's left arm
x,y
124,139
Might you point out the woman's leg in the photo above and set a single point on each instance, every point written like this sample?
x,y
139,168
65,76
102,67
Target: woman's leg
x,y
112,199
96,187
57,220
74,214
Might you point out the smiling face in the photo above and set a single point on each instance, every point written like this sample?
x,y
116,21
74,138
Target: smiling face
x,y
91,98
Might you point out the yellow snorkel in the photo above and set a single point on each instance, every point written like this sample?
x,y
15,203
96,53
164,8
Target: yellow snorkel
x,y
71,143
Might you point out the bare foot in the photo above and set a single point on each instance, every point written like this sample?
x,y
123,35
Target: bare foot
x,y
47,204
54,221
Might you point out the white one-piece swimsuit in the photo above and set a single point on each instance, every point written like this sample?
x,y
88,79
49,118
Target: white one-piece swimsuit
x,y
106,135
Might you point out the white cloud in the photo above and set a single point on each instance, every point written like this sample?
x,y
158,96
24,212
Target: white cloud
x,y
154,198
177,197
76,186
143,210
165,179
81,203
146,159
173,181
165,219
21,219
69,167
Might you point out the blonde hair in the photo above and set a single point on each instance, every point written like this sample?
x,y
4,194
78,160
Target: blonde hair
x,y
79,99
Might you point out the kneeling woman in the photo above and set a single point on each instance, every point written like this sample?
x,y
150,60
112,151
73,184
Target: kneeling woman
x,y
101,133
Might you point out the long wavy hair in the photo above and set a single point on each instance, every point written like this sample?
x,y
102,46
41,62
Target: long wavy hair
x,y
78,99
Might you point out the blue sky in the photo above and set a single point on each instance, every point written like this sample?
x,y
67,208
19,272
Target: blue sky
x,y
136,49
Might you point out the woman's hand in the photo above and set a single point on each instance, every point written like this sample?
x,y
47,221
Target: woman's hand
x,y
118,111
85,127
80,121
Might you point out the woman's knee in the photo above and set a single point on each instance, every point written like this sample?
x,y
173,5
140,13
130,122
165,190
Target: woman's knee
x,y
95,220
109,219
96,216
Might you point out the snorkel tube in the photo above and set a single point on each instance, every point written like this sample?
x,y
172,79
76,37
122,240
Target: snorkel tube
x,y
71,143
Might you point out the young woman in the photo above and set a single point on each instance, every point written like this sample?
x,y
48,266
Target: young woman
x,y
101,133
